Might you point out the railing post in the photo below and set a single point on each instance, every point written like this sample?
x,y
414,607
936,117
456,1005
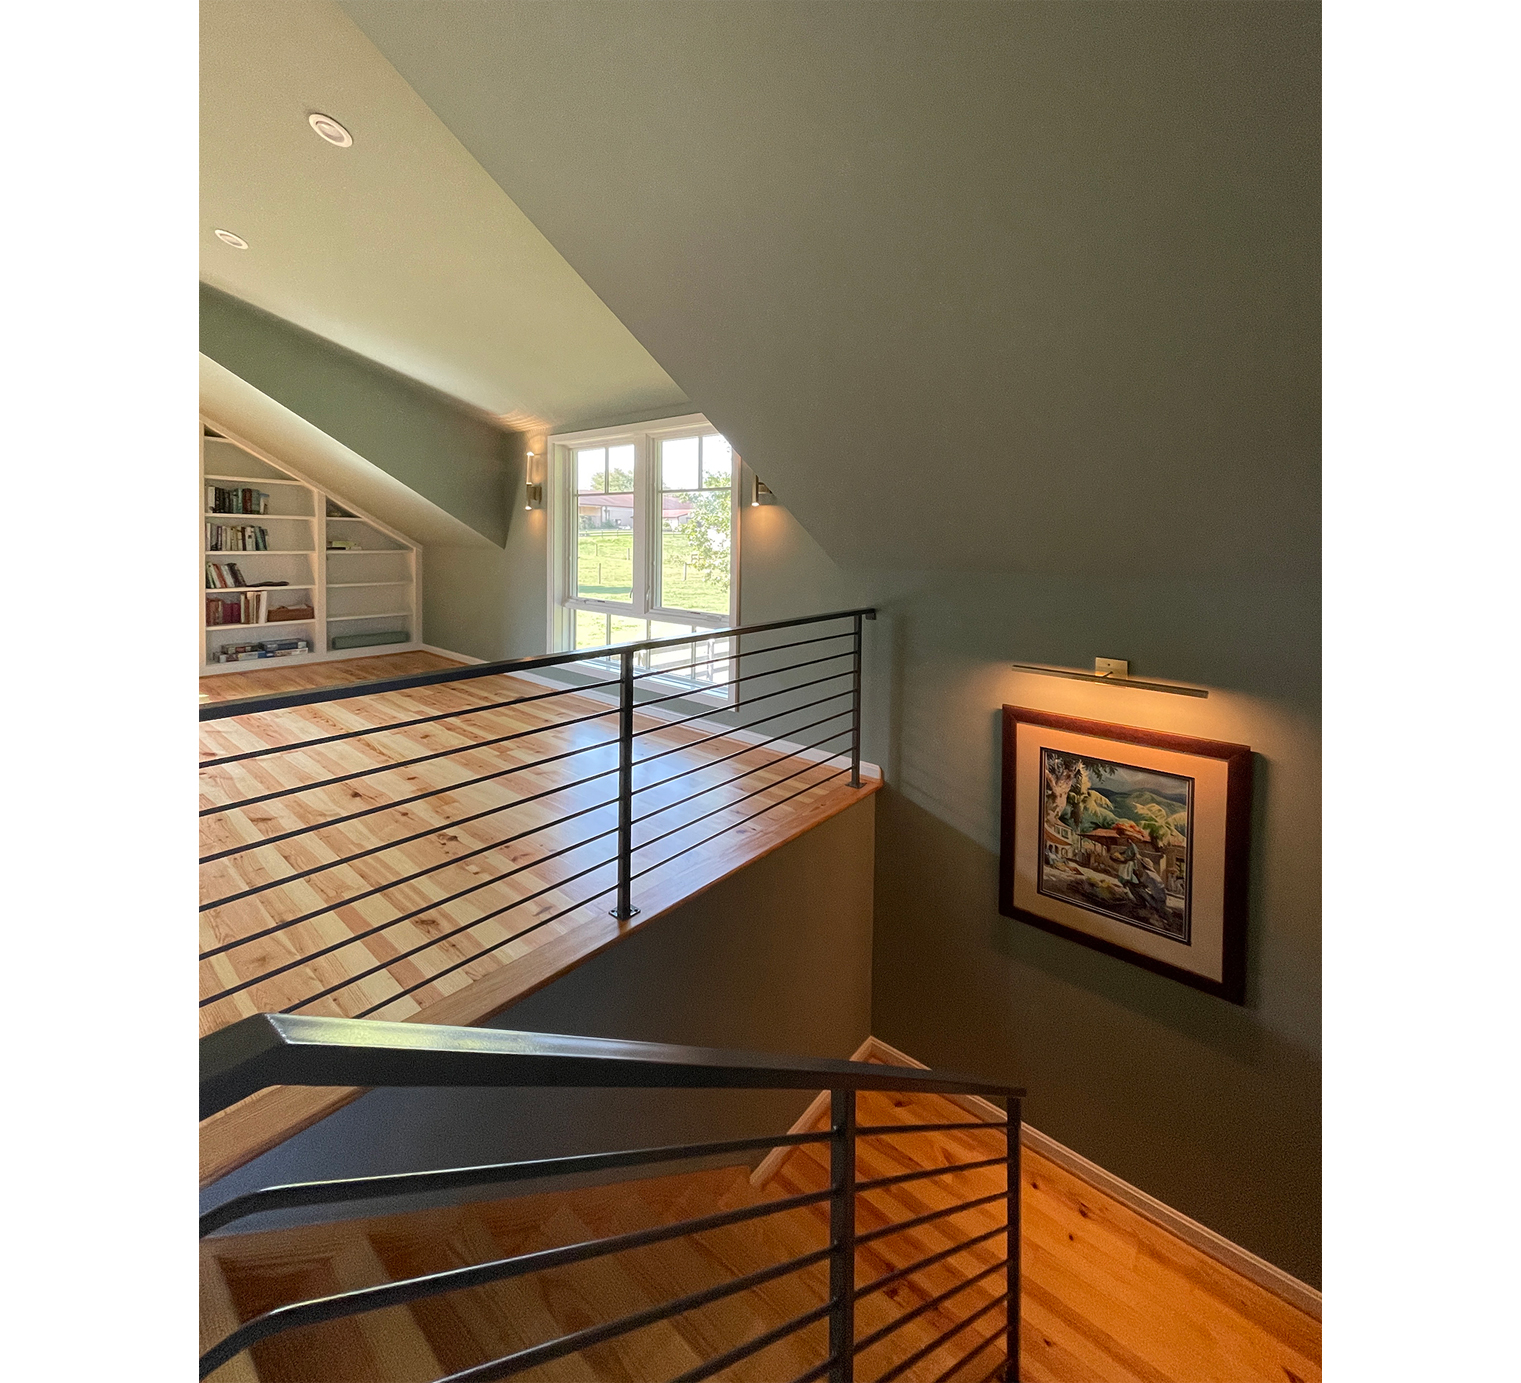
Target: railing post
x,y
855,710
625,907
1011,1333
842,1236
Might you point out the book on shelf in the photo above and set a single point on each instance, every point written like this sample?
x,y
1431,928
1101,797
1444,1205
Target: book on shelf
x,y
228,576
251,607
236,501
223,537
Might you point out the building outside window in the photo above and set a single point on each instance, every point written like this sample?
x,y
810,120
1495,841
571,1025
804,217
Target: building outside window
x,y
644,530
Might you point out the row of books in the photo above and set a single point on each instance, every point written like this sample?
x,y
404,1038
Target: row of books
x,y
242,537
270,648
225,576
251,608
220,501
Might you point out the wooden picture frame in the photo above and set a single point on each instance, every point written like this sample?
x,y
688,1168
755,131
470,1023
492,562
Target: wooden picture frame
x,y
1155,869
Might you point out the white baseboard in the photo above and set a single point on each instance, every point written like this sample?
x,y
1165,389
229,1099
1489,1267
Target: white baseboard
x,y
1282,1285
450,653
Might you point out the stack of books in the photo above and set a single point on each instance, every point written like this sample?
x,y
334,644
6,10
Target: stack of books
x,y
343,545
220,501
225,537
270,648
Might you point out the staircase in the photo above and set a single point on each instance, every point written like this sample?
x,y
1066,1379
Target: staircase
x,y
252,1273
878,1241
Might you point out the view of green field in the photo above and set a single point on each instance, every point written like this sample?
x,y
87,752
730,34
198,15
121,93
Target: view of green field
x,y
605,571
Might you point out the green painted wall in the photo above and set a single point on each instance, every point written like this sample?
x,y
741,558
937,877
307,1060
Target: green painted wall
x,y
448,454
1212,1108
487,601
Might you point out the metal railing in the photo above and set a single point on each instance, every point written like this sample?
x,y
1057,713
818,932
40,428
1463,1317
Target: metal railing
x,y
270,1049
708,732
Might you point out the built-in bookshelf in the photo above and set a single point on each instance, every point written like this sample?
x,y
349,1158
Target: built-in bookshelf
x,y
292,573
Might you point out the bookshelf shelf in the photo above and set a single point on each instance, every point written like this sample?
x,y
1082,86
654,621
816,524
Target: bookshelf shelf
x,y
231,462
223,514
254,479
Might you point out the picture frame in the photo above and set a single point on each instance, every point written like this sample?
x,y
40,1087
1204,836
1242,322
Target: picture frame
x,y
1134,842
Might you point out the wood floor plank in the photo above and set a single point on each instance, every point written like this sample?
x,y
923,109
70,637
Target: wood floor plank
x,y
507,894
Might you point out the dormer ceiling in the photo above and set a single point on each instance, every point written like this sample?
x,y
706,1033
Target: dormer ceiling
x,y
399,248
1005,286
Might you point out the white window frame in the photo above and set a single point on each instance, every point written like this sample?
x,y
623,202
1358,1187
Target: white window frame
x,y
560,500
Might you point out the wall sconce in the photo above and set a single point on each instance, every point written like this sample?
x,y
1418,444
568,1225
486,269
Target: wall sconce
x,y
1115,671
762,493
533,491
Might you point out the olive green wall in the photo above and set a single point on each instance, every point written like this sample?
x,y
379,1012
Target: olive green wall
x,y
481,600
1212,1108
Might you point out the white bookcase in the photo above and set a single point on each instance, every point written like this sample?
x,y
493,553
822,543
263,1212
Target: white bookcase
x,y
370,588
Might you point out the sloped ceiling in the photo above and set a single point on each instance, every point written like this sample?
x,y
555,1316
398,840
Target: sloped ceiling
x,y
1020,286
401,248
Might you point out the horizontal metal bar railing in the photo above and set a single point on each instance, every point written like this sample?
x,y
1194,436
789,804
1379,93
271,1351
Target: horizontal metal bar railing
x,y
331,948
918,1357
296,1051
253,705
349,981
332,821
763,1341
898,1322
980,1124
493,1174
929,1261
900,1226
535,1355
474,746
374,850
271,1049
365,1299
416,874
748,773
956,1366
900,1178
410,724
454,751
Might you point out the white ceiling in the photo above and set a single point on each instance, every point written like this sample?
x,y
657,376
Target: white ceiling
x,y
401,248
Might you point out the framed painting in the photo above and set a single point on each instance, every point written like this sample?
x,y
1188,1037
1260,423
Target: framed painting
x,y
1131,841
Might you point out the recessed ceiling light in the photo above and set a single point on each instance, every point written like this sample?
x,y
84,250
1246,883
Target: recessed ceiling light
x,y
330,129
228,238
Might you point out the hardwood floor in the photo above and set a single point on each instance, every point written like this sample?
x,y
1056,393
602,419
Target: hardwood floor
x,y
485,870
1108,1296
273,675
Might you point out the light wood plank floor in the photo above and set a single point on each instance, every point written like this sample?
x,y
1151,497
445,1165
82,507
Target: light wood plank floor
x,y
457,905
1108,1296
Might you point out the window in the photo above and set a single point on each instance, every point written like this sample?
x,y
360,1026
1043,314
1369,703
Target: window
x,y
643,526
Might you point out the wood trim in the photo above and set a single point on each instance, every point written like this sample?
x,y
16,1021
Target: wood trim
x,y
1282,1285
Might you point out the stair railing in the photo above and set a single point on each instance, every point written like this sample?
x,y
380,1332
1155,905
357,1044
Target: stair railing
x,y
270,1049
282,855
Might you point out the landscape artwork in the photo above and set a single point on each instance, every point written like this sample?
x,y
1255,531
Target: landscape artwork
x,y
1114,839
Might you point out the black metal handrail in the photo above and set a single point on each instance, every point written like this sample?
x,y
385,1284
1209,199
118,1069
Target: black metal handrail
x,y
275,1049
275,810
